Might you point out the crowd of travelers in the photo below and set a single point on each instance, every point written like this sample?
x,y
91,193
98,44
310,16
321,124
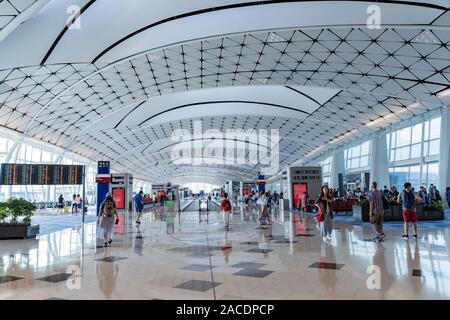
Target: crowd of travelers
x,y
262,203
392,194
76,204
379,200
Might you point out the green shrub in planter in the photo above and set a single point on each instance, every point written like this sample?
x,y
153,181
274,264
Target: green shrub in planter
x,y
438,204
3,211
13,209
363,202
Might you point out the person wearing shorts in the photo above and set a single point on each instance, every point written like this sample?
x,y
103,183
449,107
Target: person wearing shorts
x,y
226,208
139,205
409,201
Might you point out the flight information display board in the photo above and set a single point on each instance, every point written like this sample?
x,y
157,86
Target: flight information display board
x,y
41,174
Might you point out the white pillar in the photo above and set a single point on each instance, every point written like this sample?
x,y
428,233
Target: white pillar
x,y
241,192
444,154
379,165
337,167
289,188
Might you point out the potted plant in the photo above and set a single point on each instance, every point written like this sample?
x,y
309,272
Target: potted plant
x,y
3,212
15,219
434,211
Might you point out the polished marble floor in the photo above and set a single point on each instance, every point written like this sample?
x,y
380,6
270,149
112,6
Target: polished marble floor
x,y
191,256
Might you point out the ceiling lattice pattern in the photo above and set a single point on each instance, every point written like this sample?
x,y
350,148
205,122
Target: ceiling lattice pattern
x,y
11,9
388,73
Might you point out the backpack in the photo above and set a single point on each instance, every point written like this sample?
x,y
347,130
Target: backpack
x,y
108,209
409,200
226,205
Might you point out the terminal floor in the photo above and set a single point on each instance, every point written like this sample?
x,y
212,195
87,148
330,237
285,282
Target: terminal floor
x,y
50,224
195,258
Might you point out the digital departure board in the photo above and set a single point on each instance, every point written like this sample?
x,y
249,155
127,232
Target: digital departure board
x,y
41,174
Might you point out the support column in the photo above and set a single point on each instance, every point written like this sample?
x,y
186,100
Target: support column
x,y
337,167
241,192
444,154
379,164
289,194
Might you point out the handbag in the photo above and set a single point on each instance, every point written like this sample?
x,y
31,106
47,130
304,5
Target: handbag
x,y
320,217
117,221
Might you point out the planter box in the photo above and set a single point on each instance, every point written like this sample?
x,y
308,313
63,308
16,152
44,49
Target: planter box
x,y
397,213
361,213
387,214
430,213
394,213
18,231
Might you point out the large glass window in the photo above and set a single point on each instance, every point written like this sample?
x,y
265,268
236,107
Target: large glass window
x,y
326,169
35,152
430,173
358,156
416,147
326,166
407,143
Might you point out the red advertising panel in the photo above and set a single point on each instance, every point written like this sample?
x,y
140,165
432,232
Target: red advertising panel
x,y
119,197
103,178
299,188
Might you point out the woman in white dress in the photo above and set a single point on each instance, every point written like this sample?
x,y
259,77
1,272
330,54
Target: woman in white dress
x,y
106,219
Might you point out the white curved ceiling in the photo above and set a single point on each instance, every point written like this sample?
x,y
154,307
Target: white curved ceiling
x,y
135,71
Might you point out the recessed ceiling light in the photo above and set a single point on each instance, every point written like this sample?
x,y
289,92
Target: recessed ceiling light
x,y
426,37
152,57
263,81
273,37
414,105
383,119
444,93
315,151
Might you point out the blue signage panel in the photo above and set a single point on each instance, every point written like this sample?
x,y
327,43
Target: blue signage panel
x,y
261,186
103,167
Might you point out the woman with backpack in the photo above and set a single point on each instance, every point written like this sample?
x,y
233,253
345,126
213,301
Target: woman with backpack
x,y
106,219
264,211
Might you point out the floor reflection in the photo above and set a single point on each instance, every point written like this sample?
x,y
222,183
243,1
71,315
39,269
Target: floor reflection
x,y
107,273
167,250
327,275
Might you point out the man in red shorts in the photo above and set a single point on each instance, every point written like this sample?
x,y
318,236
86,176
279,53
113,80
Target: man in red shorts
x,y
225,207
409,200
